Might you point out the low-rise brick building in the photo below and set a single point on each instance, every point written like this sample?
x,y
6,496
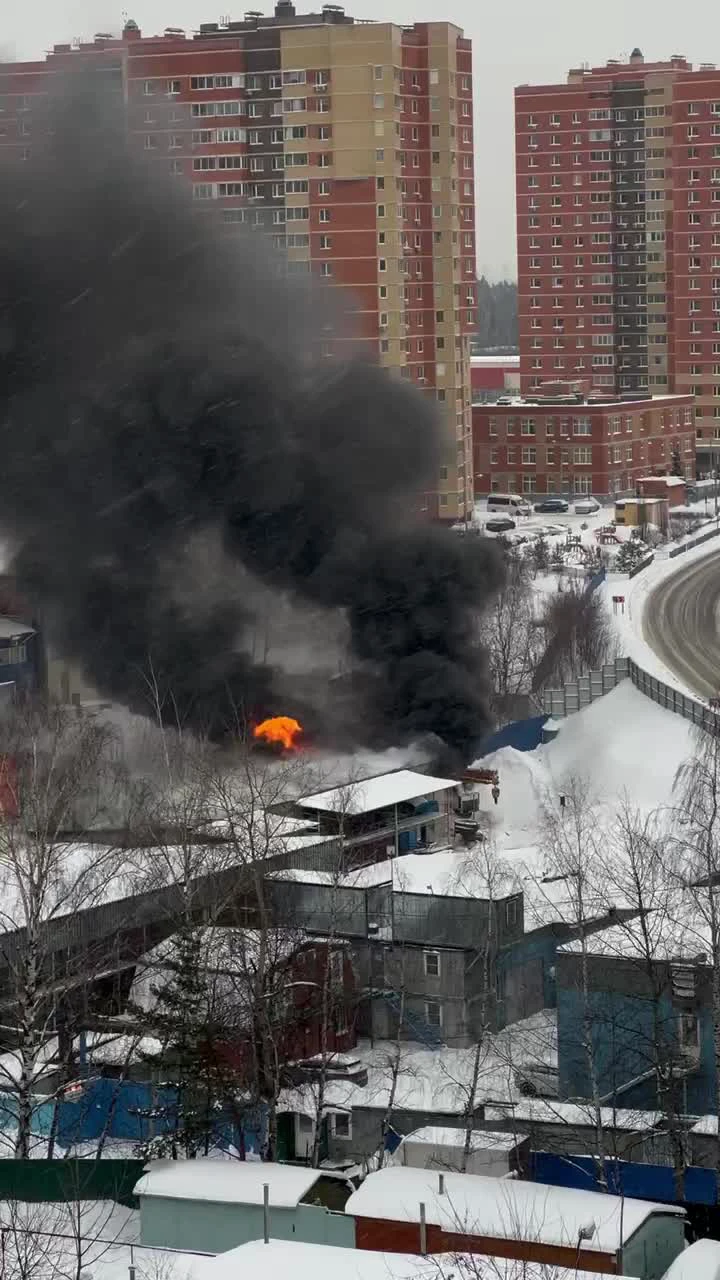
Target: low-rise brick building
x,y
568,444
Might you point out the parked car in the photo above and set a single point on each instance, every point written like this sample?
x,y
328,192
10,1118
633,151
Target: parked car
x,y
510,503
501,524
552,504
586,506
536,1080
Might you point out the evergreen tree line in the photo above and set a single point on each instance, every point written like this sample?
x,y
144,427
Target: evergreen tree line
x,y
497,313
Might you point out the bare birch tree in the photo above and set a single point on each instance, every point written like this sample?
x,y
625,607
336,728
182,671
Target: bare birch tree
x,y
62,771
570,835
697,856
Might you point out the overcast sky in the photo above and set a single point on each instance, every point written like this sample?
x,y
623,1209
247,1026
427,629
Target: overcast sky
x,y
514,41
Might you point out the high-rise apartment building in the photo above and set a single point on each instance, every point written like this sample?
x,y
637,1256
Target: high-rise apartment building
x,y
618,199
350,142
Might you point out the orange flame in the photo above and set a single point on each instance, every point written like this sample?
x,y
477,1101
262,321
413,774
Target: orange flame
x,y
281,729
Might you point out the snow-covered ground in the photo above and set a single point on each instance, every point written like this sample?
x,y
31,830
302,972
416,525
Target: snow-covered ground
x,y
623,743
622,749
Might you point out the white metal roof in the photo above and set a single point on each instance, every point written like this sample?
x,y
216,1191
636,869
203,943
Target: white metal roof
x,y
503,1209
368,794
227,1181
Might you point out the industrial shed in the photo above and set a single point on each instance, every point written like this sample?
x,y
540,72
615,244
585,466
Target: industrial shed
x,y
213,1205
417,1211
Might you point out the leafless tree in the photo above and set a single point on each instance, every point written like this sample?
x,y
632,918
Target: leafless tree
x,y
510,633
635,870
570,835
576,635
697,857
61,778
481,874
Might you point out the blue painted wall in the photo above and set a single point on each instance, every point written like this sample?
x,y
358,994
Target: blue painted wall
x,y
127,1103
624,1030
541,946
639,1181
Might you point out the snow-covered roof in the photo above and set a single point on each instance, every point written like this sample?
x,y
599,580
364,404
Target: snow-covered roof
x,y
700,1261
480,1139
706,1126
503,1209
231,960
255,1261
668,480
449,873
544,1111
369,794
673,929
435,1082
11,627
227,1181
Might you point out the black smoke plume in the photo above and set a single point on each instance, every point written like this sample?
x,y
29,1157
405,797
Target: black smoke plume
x,y
181,466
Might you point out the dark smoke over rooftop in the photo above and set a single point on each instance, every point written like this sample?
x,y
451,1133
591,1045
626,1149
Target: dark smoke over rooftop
x,y
179,458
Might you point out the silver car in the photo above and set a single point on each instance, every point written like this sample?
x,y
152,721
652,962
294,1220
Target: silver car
x,y
586,506
536,1080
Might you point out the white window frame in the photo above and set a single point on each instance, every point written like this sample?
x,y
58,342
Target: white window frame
x,y
434,1004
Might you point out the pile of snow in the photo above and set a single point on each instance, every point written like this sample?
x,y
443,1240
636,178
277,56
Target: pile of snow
x,y
608,746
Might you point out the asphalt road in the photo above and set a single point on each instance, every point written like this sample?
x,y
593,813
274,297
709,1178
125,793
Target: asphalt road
x,y
681,624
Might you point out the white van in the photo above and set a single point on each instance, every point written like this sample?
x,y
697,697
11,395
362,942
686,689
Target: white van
x,y
512,503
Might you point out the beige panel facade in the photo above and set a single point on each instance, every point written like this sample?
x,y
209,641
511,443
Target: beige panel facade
x,y
365,62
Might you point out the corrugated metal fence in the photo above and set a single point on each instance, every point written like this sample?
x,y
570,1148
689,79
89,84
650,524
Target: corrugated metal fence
x,y
580,693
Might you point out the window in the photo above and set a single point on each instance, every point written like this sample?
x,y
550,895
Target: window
x,y
688,1030
341,1125
326,269
512,905
433,1008
432,964
324,215
325,242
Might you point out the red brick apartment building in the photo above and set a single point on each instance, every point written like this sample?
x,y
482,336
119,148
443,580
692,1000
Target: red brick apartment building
x,y
557,445
350,141
618,196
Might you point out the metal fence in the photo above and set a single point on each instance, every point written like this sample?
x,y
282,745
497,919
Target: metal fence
x,y
580,693
644,564
673,699
687,546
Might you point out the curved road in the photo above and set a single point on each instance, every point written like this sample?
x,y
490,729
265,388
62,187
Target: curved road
x,y
681,624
